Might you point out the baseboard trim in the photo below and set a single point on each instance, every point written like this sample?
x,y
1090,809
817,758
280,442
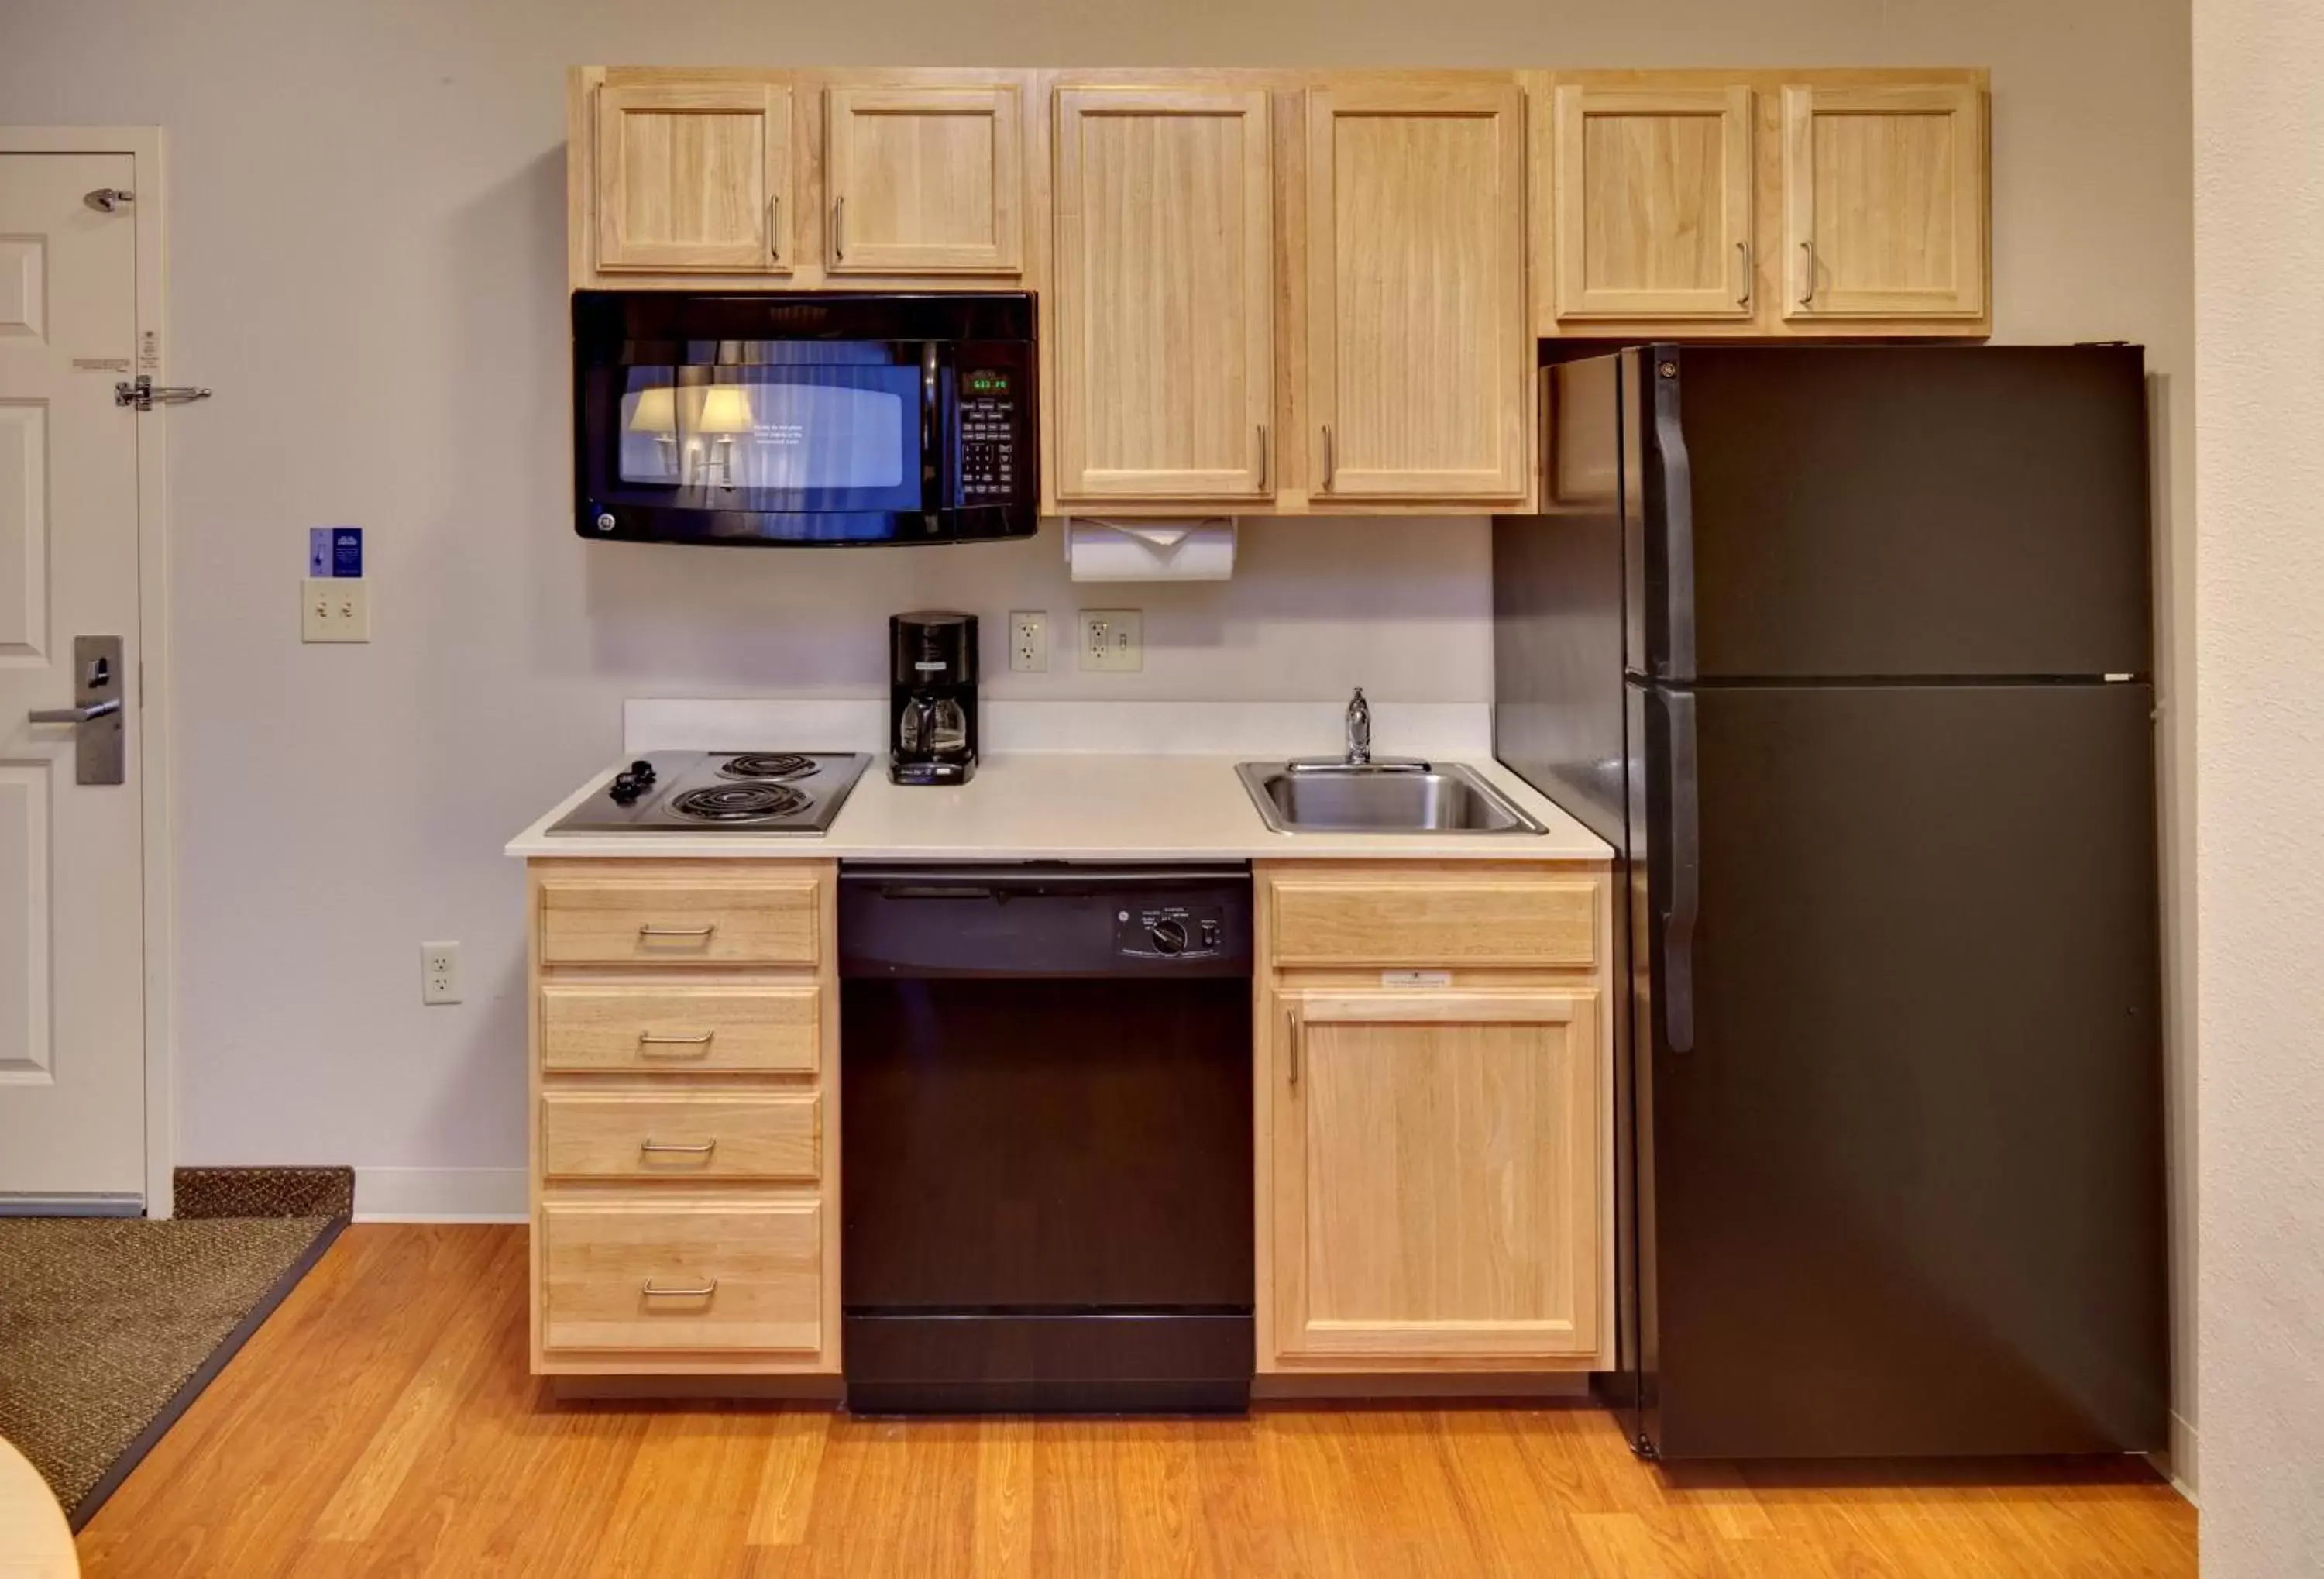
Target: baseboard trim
x,y
2178,1464
441,1195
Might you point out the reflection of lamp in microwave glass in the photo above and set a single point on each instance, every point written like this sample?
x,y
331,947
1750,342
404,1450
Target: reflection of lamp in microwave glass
x,y
655,411
725,411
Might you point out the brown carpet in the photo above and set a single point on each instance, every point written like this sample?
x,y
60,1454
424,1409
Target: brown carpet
x,y
110,1327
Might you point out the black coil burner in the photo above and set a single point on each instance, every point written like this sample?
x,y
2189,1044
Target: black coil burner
x,y
739,802
767,764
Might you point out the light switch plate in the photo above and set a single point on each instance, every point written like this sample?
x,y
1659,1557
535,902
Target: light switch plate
x,y
1112,640
334,609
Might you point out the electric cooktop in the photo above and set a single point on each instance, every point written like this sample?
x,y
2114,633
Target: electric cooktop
x,y
699,791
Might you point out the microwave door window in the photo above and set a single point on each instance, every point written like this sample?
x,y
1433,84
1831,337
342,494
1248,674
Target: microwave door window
x,y
801,438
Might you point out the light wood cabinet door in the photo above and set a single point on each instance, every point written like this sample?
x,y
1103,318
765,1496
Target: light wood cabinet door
x,y
695,176
1884,202
924,179
1436,1175
1653,216
1164,294
1418,355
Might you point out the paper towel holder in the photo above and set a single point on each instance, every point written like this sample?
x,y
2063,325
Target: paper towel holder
x,y
1162,537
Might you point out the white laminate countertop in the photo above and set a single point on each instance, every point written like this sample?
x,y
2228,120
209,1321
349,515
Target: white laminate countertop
x,y
1075,805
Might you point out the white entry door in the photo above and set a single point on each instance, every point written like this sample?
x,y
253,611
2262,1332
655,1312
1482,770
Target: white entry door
x,y
72,925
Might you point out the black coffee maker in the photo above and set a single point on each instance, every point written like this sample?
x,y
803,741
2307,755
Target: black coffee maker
x,y
931,697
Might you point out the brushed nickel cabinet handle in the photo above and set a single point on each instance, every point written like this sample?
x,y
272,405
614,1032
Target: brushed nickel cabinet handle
x,y
1808,247
1291,1040
1329,467
1262,458
838,229
702,1149
1743,253
647,1039
705,1292
650,931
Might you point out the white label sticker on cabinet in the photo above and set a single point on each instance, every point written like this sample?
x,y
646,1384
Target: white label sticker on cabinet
x,y
1415,978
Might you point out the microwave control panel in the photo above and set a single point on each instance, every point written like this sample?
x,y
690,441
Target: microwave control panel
x,y
988,435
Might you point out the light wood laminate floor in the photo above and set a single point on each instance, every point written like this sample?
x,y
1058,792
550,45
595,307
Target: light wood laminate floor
x,y
382,1423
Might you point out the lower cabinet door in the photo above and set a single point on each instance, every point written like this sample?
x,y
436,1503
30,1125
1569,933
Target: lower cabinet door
x,y
682,1275
1436,1184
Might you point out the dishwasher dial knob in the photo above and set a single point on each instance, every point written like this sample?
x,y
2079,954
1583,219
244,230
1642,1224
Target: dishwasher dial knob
x,y
1167,936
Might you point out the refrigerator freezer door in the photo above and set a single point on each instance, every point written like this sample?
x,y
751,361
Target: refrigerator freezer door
x,y
1904,1193
1897,511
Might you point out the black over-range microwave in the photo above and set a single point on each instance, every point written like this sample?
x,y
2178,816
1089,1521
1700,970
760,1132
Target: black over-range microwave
x,y
800,419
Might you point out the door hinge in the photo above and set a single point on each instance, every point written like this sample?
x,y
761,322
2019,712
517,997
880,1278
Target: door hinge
x,y
107,199
145,396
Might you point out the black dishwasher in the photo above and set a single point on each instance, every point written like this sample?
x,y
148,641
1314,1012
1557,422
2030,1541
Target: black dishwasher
x,y
1046,1137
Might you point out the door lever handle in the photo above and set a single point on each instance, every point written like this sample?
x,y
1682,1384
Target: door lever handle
x,y
89,714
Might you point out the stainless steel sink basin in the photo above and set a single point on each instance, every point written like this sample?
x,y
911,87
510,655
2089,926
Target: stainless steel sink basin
x,y
1386,799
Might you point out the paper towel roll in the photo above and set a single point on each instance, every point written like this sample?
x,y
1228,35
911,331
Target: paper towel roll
x,y
1201,549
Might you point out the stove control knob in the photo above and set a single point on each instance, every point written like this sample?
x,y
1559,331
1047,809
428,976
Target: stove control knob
x,y
643,770
1167,936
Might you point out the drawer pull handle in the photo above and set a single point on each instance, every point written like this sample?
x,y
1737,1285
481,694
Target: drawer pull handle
x,y
705,1292
647,1039
650,931
702,1149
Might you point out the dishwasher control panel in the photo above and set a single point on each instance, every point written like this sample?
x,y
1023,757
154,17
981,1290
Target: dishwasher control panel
x,y
1167,931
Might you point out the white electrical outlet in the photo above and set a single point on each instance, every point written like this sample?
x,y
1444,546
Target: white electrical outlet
x,y
439,973
1028,642
334,609
1112,640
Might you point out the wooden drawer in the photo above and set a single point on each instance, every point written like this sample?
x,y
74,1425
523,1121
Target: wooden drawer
x,y
738,1275
686,1134
674,921
679,1029
1510,921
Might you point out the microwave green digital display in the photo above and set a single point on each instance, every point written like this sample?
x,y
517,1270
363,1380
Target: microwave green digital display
x,y
988,383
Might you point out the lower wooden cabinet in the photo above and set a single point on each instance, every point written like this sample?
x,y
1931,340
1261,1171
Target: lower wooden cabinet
x,y
1436,1171
685,1114
1434,1144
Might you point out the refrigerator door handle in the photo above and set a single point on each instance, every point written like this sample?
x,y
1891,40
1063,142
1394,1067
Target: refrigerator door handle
x,y
1674,480
1679,914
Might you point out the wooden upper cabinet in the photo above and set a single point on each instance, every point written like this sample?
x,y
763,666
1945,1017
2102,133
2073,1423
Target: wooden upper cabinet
x,y
1163,294
1653,205
1418,357
694,175
924,179
1884,204
1436,1175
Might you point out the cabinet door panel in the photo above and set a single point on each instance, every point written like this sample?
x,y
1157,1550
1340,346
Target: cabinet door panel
x,y
1654,203
1437,1160
1418,357
1165,294
694,177
1884,202
924,180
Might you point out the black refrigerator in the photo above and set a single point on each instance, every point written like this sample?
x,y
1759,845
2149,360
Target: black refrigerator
x,y
1848,651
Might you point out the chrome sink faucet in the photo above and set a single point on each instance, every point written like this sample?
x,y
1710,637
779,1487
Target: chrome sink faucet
x,y
1359,730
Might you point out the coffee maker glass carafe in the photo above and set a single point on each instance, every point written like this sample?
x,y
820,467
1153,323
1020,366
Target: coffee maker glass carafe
x,y
933,727
932,697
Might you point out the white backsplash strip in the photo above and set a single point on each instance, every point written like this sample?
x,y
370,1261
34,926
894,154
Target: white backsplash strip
x,y
1258,729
